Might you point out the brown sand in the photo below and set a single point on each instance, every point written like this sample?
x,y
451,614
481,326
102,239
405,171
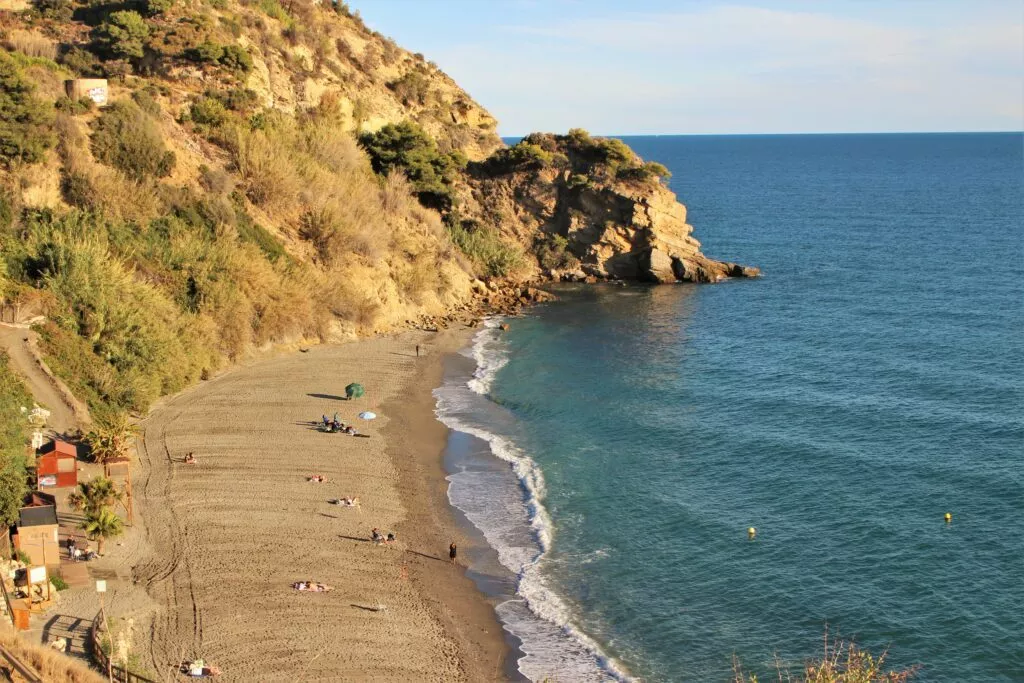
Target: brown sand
x,y
228,535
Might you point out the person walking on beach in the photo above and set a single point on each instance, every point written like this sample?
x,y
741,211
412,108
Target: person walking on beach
x,y
417,350
452,551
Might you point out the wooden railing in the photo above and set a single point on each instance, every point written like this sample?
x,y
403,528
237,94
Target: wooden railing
x,y
7,601
114,672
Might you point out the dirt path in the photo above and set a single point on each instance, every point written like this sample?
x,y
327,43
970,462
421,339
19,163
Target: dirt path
x,y
46,390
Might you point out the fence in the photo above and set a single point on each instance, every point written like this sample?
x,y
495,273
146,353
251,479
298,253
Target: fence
x,y
114,671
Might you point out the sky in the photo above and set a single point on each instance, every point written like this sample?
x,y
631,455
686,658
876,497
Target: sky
x,y
621,67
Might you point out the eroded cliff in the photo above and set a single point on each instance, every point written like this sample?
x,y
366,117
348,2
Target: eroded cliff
x,y
590,207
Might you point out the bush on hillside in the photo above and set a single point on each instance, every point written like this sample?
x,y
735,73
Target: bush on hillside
x,y
57,10
127,139
553,253
644,173
208,111
67,105
13,395
26,123
81,62
155,7
523,156
122,35
492,256
206,52
411,88
236,58
407,147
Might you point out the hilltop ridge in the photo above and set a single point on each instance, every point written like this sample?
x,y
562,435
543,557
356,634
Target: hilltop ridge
x,y
267,173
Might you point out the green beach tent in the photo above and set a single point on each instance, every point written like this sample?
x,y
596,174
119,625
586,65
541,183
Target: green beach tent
x,y
354,390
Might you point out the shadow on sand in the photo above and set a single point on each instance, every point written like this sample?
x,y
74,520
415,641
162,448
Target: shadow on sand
x,y
329,397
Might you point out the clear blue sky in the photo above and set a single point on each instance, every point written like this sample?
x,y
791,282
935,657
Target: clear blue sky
x,y
660,66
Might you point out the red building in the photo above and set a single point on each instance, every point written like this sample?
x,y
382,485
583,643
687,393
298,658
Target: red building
x,y
57,465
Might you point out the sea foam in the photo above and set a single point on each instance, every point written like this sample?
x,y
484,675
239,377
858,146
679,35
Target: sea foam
x,y
552,644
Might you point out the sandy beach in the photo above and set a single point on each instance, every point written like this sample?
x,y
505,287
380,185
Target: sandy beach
x,y
222,540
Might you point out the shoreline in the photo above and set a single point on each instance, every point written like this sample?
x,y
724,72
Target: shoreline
x,y
220,542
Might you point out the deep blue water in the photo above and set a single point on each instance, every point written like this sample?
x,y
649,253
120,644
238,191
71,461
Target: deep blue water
x,y
870,382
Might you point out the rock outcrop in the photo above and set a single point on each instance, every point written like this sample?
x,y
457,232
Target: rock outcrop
x,y
591,213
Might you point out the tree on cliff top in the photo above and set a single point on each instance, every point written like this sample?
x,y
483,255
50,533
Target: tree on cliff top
x,y
407,147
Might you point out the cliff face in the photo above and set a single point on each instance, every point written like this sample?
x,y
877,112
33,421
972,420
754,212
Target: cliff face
x,y
598,203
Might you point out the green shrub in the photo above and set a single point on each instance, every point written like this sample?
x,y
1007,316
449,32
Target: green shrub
x,y
644,173
123,35
146,101
59,583
74,107
577,181
411,88
553,253
272,8
492,256
206,52
252,233
523,156
208,111
236,58
57,10
242,100
127,139
13,426
155,7
117,68
26,123
81,62
407,147
22,556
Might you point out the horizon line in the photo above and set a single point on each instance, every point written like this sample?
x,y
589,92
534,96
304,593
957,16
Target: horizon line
x,y
879,132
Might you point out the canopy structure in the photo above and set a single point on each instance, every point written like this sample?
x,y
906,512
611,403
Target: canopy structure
x,y
354,390
367,415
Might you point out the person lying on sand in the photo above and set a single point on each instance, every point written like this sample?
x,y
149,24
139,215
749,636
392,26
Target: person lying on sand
x,y
311,587
347,502
190,459
316,478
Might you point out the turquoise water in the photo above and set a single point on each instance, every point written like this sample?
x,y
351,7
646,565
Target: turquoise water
x,y
869,383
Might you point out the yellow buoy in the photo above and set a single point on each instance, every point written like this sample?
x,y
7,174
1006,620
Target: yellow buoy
x,y
751,532
949,518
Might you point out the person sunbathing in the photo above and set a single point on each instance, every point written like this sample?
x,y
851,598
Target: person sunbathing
x,y
317,478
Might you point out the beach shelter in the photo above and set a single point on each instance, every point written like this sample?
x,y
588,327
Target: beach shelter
x,y
57,465
354,390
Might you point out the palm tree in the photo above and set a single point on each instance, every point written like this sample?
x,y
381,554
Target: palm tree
x,y
110,440
101,525
92,495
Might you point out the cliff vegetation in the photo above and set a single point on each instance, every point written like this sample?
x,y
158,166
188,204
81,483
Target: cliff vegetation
x,y
265,173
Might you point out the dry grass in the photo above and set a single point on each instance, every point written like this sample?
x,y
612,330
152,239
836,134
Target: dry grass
x,y
31,44
51,665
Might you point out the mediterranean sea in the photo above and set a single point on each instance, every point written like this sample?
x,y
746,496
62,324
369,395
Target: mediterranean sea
x,y
614,447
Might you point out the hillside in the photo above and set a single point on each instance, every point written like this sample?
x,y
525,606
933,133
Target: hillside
x,y
267,173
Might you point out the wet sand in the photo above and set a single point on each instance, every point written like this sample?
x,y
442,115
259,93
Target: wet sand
x,y
225,538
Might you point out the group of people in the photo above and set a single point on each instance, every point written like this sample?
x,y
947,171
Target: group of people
x,y
190,459
335,425
78,554
378,537
346,501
